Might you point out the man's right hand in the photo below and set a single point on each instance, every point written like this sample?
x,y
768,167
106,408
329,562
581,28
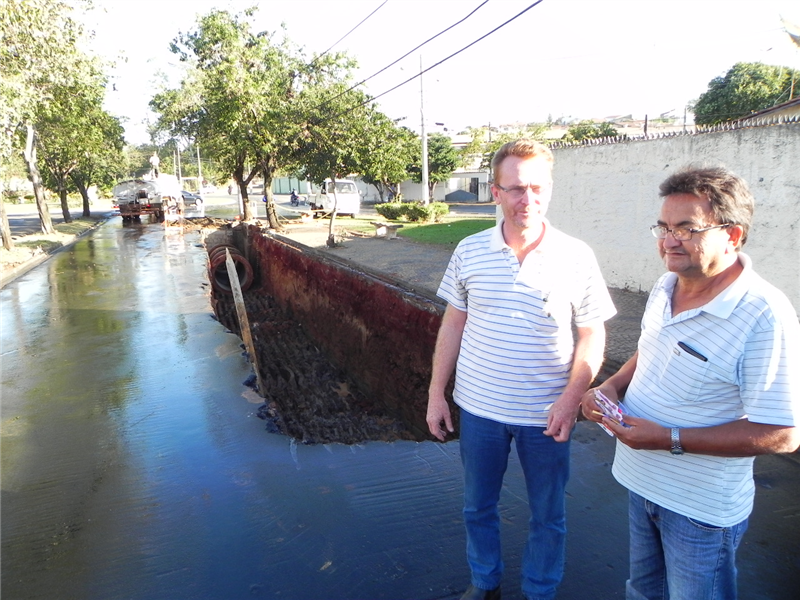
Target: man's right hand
x,y
589,406
438,413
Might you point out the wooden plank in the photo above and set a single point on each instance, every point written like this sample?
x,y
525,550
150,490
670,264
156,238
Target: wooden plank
x,y
244,322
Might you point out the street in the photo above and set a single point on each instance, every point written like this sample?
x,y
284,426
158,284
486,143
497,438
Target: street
x,y
133,465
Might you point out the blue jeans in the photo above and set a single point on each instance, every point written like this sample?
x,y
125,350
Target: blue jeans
x,y
485,446
677,558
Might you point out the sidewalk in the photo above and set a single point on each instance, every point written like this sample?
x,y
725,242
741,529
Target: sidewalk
x,y
421,267
23,220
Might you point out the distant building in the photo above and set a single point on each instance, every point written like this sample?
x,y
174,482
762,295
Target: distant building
x,y
789,109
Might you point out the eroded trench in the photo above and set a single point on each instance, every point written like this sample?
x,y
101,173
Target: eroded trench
x,y
344,355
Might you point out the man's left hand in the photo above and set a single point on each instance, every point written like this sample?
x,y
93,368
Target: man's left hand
x,y
640,434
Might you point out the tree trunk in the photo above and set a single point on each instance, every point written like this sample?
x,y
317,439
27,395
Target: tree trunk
x,y
247,214
272,214
29,154
331,243
62,194
242,182
84,191
5,228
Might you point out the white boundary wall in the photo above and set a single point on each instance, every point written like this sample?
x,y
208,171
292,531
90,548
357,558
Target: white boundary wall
x,y
607,195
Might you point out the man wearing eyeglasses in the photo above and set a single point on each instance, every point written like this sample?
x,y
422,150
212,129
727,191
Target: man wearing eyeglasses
x,y
513,294
714,383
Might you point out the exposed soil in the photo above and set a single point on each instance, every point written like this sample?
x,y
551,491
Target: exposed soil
x,y
308,398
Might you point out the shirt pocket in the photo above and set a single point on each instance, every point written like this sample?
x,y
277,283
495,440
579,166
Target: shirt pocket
x,y
683,375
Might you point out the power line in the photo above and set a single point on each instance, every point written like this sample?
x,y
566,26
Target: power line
x,y
407,53
349,32
410,79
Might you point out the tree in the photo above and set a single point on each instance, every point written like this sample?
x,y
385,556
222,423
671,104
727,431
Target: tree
x,y
38,52
103,162
242,98
745,88
69,127
336,140
443,160
215,99
390,150
586,130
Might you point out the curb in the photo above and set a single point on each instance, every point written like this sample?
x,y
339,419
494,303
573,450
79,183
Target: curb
x,y
32,263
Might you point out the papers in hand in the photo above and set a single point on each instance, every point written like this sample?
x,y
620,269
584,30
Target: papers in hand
x,y
609,409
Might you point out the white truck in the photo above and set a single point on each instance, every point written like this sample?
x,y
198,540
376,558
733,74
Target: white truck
x,y
347,198
155,196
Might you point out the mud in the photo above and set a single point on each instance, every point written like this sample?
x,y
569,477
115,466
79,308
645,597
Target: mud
x,y
308,398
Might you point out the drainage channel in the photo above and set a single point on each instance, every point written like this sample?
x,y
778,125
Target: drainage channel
x,y
309,394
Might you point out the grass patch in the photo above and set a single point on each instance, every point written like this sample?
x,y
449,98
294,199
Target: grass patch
x,y
46,244
77,226
448,233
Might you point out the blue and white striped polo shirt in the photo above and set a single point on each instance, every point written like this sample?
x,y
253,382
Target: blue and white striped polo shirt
x,y
516,351
750,336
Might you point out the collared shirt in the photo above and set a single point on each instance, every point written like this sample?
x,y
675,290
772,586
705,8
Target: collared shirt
x,y
735,357
517,346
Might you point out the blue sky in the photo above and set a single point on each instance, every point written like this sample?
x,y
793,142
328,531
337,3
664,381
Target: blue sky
x,y
570,58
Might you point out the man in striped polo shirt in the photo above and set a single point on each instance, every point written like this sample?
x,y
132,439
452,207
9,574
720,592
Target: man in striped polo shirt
x,y
714,382
513,294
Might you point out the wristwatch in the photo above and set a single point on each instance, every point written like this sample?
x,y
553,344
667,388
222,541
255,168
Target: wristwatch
x,y
675,437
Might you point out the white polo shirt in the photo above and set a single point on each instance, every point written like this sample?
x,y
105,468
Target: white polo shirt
x,y
750,337
516,351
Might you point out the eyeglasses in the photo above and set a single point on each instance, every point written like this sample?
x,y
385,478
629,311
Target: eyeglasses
x,y
518,191
682,234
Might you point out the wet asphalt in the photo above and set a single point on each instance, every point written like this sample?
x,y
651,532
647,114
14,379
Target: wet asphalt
x,y
133,465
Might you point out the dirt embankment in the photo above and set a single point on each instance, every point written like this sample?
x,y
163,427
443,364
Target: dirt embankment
x,y
308,398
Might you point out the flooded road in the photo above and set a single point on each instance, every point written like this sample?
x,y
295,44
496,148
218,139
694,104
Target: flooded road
x,y
133,465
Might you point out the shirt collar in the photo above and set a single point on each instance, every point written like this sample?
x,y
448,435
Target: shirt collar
x,y
497,242
722,304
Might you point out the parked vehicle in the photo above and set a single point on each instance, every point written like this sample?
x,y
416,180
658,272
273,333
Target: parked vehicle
x,y
147,196
347,198
192,200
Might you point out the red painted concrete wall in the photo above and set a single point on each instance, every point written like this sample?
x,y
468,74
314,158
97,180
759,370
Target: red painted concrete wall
x,y
380,333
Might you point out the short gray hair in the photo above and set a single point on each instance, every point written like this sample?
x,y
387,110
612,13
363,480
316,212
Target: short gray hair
x,y
729,194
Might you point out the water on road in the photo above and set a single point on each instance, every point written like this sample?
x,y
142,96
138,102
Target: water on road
x,y
133,465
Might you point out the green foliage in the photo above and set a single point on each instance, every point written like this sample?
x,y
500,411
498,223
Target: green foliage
x,y
443,160
745,88
386,164
413,211
80,143
39,51
236,98
585,130
392,211
257,106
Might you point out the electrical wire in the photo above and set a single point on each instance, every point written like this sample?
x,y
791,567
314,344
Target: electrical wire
x,y
349,32
363,81
410,79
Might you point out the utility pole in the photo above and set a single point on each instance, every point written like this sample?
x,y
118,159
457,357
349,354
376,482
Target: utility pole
x,y
199,169
425,197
